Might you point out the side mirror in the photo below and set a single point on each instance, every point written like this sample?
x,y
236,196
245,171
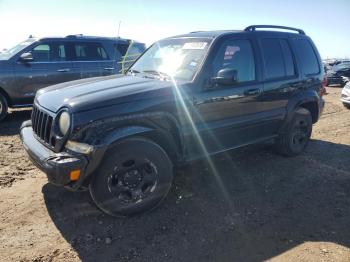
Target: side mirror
x,y
26,57
226,76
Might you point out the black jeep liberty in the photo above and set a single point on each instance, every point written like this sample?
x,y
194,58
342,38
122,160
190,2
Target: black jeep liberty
x,y
186,97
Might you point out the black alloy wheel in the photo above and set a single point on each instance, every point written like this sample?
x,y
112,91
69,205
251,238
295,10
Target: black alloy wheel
x,y
134,177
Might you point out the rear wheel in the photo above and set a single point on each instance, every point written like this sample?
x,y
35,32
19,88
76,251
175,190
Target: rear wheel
x,y
135,176
3,107
294,140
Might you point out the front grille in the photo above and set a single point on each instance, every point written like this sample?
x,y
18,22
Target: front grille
x,y
42,125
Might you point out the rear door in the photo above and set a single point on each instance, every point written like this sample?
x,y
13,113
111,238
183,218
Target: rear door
x,y
50,66
90,58
109,65
280,79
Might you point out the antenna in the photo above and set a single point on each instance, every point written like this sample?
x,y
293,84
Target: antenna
x,y
119,27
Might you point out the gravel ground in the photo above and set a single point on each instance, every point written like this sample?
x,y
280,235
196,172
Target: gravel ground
x,y
256,206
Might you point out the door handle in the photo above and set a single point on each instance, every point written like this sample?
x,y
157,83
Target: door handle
x,y
252,92
62,70
109,68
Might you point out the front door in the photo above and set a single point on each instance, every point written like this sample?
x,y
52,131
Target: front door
x,y
50,66
227,116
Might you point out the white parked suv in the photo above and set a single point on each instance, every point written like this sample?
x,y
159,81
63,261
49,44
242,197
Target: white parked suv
x,y
345,95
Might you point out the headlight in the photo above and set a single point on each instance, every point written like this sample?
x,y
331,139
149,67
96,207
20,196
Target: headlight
x,y
64,122
79,147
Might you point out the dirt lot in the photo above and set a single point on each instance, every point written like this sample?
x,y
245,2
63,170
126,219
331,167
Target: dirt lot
x,y
259,206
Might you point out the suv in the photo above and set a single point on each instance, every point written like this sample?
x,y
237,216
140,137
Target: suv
x,y
187,97
37,63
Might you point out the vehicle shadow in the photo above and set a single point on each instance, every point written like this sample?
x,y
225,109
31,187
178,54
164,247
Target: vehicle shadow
x,y
254,206
13,121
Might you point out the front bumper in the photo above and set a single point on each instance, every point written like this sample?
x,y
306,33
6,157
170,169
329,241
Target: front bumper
x,y
57,166
336,80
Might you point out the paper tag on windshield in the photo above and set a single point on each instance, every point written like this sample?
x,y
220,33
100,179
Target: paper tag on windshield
x,y
195,45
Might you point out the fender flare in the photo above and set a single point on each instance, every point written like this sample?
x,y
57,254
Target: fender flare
x,y
295,102
162,137
112,138
148,129
7,96
124,132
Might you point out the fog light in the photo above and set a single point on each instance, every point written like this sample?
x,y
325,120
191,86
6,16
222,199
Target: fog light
x,y
74,175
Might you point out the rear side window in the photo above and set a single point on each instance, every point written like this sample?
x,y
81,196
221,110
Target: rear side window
x,y
307,57
87,51
135,51
288,58
129,53
122,48
278,58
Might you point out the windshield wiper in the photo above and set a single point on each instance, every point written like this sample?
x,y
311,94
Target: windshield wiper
x,y
162,75
133,71
144,74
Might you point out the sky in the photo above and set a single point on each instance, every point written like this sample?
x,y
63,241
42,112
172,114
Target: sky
x,y
326,22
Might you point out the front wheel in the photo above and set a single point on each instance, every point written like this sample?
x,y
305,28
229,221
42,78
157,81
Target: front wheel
x,y
135,177
3,107
297,135
346,105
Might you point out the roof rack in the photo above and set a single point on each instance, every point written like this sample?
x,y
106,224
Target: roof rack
x,y
253,28
74,36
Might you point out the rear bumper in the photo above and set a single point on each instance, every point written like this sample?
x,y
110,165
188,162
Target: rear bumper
x,y
57,166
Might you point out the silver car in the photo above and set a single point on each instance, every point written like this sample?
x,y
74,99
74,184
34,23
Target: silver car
x,y
345,95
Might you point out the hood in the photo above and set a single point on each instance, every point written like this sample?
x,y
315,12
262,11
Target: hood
x,y
3,62
90,93
330,73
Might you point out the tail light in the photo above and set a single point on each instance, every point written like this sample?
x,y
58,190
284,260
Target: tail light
x,y
323,90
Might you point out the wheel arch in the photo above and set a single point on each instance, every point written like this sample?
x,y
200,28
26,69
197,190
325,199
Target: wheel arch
x,y
161,127
6,95
308,100
312,107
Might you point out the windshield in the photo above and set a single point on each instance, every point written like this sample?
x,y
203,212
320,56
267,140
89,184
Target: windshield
x,y
8,53
173,58
341,66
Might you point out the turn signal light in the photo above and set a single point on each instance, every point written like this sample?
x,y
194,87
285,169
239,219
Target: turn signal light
x,y
74,175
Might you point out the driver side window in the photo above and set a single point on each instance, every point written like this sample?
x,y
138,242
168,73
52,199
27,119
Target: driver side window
x,y
49,52
41,53
237,55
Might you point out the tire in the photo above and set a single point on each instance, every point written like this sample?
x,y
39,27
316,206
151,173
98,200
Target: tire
x,y
297,135
135,176
346,105
3,107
